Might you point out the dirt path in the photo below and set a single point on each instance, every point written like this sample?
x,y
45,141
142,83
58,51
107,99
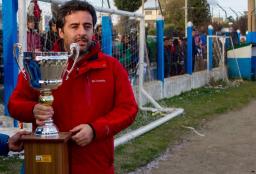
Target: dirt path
x,y
228,147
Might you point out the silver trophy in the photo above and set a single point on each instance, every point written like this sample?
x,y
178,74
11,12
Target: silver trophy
x,y
45,71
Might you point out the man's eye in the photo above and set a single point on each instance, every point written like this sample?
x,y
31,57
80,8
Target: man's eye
x,y
87,27
74,26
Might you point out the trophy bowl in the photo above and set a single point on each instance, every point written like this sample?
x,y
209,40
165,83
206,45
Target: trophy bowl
x,y
45,71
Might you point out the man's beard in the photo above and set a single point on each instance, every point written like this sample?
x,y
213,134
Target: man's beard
x,y
85,40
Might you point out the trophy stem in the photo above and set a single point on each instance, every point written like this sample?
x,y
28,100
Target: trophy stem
x,y
49,128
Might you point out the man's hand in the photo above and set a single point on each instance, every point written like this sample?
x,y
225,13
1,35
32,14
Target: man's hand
x,y
14,141
42,113
83,134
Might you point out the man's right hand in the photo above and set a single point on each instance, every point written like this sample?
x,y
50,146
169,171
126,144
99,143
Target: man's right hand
x,y
42,113
14,142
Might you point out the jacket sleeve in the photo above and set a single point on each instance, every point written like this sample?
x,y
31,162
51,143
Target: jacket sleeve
x,y
125,107
22,101
4,149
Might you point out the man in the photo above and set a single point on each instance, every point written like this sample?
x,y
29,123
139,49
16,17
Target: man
x,y
12,143
95,103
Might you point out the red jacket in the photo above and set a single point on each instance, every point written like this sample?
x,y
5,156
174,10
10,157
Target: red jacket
x,y
33,41
97,92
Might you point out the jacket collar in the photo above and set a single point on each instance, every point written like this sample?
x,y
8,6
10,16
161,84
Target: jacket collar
x,y
90,59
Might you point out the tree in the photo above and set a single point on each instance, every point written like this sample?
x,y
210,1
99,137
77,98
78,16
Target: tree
x,y
174,14
131,5
199,12
124,23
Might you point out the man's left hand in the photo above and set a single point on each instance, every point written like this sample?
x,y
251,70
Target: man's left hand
x,y
82,134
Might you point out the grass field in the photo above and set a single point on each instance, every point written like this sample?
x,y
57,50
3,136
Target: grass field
x,y
200,105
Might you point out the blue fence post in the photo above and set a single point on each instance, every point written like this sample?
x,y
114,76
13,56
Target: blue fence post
x,y
251,37
228,41
247,37
9,17
239,36
160,48
189,62
106,43
210,49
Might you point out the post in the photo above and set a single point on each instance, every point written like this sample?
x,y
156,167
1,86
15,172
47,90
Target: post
x,y
106,42
186,17
160,48
210,49
141,59
247,37
239,36
251,22
22,26
9,11
189,62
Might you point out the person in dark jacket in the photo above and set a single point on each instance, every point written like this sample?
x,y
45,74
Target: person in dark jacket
x,y
12,143
95,103
167,57
50,37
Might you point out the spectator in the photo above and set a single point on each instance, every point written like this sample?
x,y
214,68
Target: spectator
x,y
98,33
50,37
167,57
33,37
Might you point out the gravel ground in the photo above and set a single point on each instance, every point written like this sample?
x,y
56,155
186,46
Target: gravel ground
x,y
227,146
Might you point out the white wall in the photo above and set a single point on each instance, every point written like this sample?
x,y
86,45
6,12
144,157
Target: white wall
x,y
176,85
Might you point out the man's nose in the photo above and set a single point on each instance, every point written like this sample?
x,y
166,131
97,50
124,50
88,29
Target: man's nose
x,y
81,30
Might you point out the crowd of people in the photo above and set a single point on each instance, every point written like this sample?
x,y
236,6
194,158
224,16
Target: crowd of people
x,y
41,41
174,56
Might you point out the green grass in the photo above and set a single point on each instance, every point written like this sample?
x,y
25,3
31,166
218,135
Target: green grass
x,y
200,105
10,165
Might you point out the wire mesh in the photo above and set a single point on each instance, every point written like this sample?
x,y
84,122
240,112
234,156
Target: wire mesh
x,y
42,35
217,52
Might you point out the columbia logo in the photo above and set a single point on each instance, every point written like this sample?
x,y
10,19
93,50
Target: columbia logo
x,y
99,81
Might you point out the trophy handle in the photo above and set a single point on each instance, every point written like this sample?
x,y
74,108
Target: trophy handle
x,y
74,49
19,47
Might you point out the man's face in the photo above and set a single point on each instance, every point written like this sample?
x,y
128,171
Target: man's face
x,y
78,28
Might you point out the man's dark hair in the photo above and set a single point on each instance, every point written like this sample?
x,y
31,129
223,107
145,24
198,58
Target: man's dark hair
x,y
73,6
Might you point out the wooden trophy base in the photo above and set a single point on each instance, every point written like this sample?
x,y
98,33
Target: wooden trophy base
x,y
46,155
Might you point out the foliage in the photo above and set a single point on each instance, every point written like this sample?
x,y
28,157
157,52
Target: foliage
x,y
174,13
152,31
132,5
242,24
199,12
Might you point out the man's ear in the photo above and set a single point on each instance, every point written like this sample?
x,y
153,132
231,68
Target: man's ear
x,y
61,33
